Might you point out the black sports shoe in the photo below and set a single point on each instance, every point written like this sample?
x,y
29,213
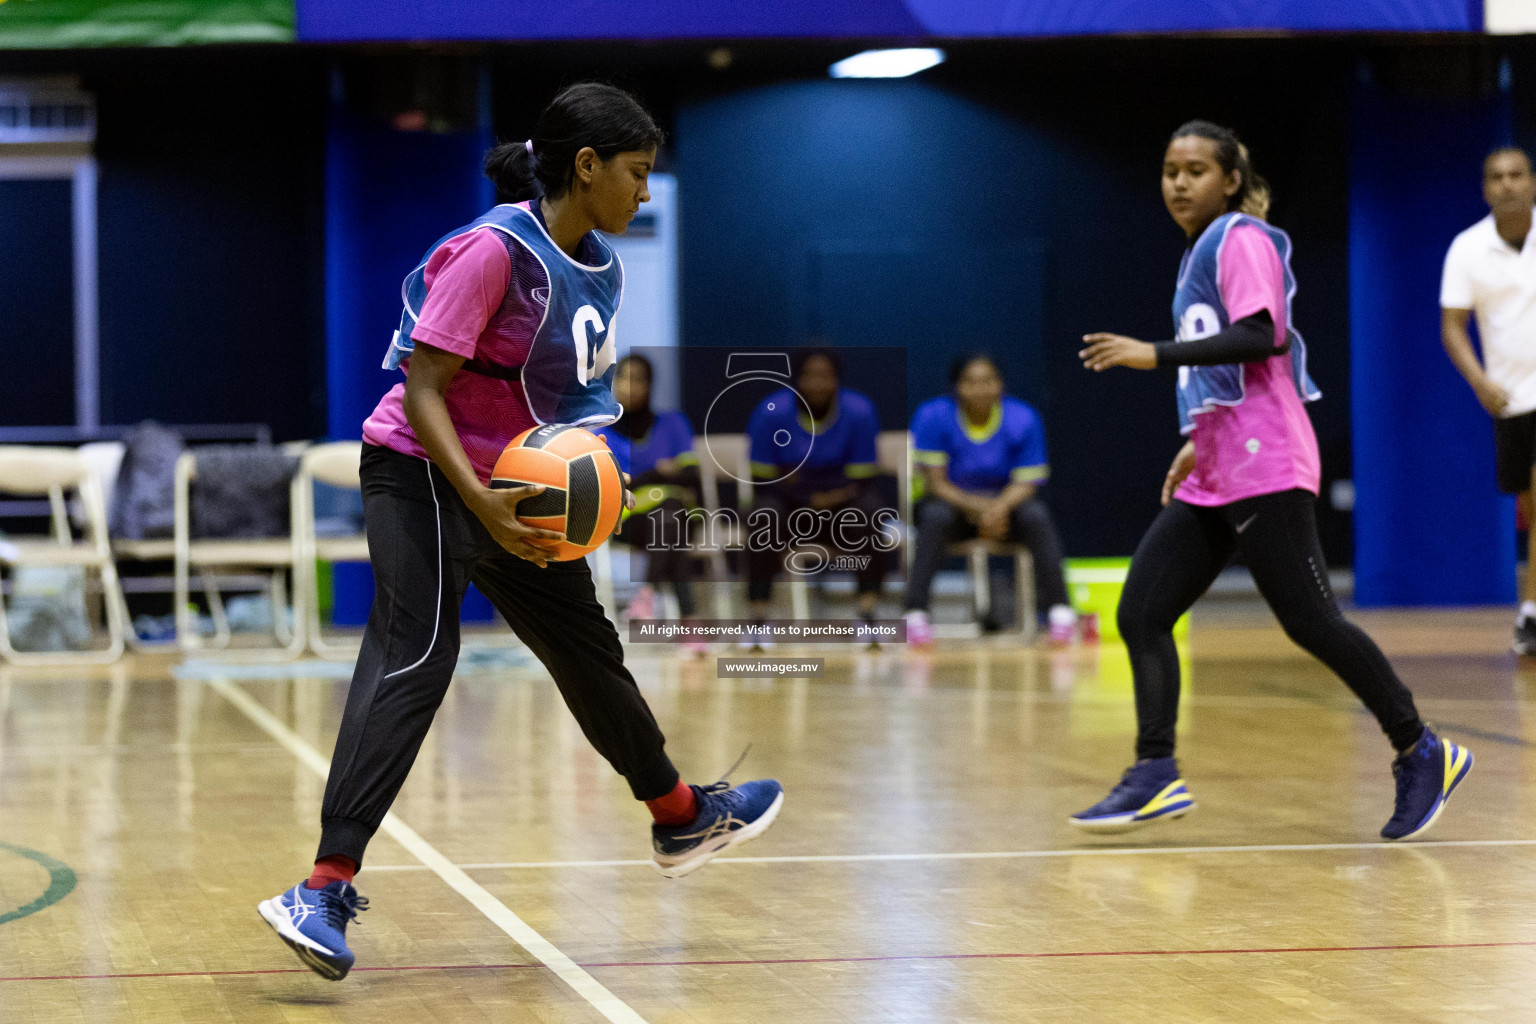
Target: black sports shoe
x,y
1525,637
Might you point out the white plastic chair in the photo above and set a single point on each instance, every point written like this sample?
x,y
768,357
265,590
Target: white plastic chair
x,y
274,555
337,465
977,552
55,471
892,453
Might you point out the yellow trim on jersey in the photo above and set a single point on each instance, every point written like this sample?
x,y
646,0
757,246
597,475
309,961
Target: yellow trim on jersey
x,y
1029,474
861,470
927,458
688,458
645,500
983,433
818,427
767,470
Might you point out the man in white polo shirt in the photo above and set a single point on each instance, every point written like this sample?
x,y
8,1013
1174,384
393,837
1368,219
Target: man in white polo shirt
x,y
1491,270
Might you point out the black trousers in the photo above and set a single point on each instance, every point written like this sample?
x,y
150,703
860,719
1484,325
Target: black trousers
x,y
662,532
940,524
1178,560
765,561
426,547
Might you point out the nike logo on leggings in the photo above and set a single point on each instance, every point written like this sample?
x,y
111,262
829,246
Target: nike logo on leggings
x,y
1247,522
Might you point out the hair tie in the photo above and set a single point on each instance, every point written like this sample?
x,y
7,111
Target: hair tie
x,y
528,145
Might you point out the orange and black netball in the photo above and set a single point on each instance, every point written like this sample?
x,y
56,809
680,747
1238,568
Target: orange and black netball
x,y
583,491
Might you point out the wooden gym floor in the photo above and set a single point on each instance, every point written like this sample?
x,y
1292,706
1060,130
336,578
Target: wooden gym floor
x,y
922,869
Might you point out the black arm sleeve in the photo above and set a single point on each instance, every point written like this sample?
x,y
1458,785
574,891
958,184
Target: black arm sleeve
x,y
1250,340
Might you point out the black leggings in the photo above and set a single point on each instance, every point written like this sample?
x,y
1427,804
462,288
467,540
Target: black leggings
x,y
658,533
1178,560
940,524
426,547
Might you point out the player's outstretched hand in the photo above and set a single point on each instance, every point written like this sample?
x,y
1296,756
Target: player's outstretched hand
x,y
1183,465
1106,350
498,511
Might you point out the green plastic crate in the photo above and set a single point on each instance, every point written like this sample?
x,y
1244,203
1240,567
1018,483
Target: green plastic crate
x,y
1095,585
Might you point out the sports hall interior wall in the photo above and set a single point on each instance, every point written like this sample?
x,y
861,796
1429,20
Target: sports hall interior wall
x,y
210,241
1045,160
1020,177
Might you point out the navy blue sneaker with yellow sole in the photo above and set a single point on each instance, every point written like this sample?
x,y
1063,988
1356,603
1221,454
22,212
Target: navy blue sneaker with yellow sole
x,y
1149,791
728,816
1427,773
314,924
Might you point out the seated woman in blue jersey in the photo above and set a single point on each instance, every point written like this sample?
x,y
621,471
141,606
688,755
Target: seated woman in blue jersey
x,y
790,472
656,450
982,457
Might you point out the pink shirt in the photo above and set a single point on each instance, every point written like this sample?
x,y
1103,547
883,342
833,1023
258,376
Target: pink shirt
x,y
485,304
1266,444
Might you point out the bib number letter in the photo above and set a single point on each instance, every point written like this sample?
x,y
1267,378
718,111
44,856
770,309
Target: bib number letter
x,y
590,363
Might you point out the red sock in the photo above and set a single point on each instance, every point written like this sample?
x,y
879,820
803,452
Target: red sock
x,y
334,868
678,807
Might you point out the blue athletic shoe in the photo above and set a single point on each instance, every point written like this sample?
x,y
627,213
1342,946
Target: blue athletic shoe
x,y
314,923
727,816
1426,775
1148,791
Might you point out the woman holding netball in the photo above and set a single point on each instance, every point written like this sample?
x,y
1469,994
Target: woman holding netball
x,y
508,324
1244,482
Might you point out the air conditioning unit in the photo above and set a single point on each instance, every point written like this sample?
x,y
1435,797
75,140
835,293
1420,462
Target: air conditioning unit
x,y
48,110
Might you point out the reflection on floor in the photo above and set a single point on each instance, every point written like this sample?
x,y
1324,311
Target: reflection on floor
x,y
922,869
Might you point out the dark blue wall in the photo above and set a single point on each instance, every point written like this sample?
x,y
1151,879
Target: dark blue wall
x,y
210,240
864,214
37,294
1014,207
389,195
1430,525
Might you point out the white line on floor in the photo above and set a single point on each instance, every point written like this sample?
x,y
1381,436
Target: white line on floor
x,y
1104,851
586,986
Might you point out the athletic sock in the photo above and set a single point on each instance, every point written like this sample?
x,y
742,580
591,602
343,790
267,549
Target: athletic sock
x,y
1527,611
678,807
1405,737
334,868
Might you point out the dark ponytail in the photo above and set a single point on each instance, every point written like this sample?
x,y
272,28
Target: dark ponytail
x,y
588,114
1253,195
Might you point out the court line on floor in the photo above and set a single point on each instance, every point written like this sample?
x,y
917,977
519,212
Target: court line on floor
x,y
605,1002
1107,851
791,961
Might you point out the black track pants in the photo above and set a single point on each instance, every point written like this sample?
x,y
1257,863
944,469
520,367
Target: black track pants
x,y
426,547
940,524
1178,560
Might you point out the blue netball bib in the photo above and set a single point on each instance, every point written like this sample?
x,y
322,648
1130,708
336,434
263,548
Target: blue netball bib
x,y
1198,312
568,375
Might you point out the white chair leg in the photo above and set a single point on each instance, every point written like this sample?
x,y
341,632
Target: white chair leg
x,y
316,639
181,596
981,583
115,607
279,601
800,598
6,649
602,578
221,635
1024,586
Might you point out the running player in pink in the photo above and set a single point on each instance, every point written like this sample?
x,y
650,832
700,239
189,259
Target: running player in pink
x,y
1244,482
508,324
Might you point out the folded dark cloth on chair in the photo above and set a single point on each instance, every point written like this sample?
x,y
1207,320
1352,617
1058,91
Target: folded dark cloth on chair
x,y
144,502
242,491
